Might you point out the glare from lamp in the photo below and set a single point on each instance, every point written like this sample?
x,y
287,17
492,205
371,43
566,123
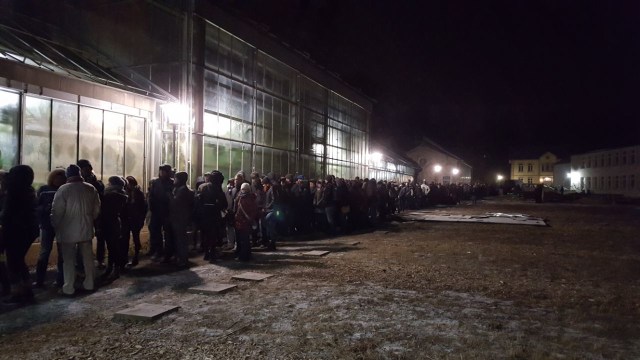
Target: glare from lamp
x,y
176,113
437,168
500,177
455,171
376,156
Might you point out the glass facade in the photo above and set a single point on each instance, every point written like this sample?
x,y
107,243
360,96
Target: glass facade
x,y
57,133
262,115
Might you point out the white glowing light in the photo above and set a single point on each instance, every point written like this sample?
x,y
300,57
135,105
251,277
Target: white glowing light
x,y
500,177
437,168
318,149
376,156
455,171
176,113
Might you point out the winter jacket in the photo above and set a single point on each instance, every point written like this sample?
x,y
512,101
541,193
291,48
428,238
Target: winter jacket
x,y
114,211
210,204
181,206
248,203
19,219
45,200
136,208
75,206
160,194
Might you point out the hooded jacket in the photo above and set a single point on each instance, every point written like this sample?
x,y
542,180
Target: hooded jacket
x,y
75,206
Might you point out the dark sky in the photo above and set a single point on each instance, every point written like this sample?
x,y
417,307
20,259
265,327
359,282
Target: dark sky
x,y
482,78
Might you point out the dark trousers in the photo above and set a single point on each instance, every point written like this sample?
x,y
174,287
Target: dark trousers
x,y
160,236
16,266
243,245
46,245
135,236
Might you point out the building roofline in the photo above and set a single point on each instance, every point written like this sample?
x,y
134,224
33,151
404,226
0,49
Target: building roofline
x,y
426,141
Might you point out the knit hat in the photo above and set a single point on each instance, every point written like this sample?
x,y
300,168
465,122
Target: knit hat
x,y
245,188
116,181
216,177
73,170
182,176
83,163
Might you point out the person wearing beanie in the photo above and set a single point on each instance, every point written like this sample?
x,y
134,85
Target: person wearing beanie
x,y
19,230
160,234
246,219
114,210
210,204
180,211
75,207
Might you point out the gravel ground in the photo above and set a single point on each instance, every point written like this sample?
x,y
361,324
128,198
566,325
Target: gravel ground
x,y
409,290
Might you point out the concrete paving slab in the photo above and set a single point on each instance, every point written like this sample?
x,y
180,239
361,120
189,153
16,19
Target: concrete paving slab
x,y
145,312
316,253
251,276
211,288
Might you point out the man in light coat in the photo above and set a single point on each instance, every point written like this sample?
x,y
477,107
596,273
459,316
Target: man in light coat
x,y
75,207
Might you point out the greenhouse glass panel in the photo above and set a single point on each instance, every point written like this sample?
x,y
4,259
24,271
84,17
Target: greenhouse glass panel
x,y
228,97
275,77
64,134
134,151
313,96
9,129
91,138
113,160
36,139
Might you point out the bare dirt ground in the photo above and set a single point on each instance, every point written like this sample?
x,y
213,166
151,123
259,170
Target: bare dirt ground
x,y
410,290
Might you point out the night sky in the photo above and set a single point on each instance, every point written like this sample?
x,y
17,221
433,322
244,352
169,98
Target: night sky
x,y
482,78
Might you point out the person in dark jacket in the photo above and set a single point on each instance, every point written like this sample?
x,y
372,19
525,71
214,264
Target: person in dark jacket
x,y
180,216
46,193
136,214
210,204
114,212
19,230
160,235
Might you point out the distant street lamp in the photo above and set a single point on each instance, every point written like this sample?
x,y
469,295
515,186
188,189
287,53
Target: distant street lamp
x,y
455,171
500,177
437,168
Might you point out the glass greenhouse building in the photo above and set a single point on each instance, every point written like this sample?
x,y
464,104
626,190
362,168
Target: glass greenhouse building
x,y
182,84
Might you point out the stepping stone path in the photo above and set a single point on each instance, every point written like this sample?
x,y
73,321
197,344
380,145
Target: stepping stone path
x,y
211,288
145,312
251,276
316,253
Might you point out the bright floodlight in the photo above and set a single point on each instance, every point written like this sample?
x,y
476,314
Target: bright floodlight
x,y
376,156
437,168
176,113
455,171
500,177
568,175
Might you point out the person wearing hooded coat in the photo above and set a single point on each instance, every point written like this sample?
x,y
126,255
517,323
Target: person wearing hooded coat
x,y
136,214
75,207
19,230
114,216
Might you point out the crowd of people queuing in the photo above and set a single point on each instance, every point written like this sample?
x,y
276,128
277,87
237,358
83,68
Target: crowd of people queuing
x,y
256,210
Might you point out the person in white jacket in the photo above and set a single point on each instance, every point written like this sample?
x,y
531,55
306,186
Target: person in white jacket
x,y
75,206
